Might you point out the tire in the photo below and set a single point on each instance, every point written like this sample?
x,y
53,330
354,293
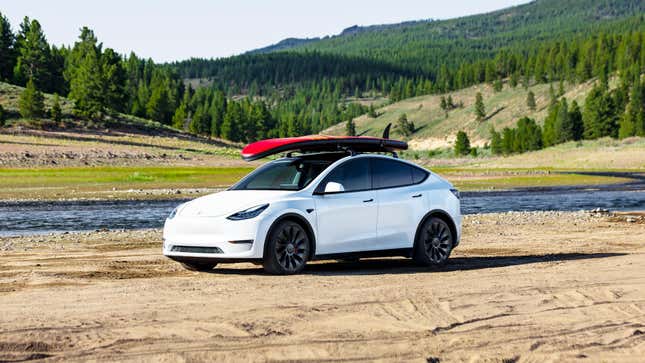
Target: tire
x,y
199,266
434,243
286,249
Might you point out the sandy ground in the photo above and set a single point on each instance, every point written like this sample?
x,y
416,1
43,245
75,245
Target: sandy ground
x,y
522,287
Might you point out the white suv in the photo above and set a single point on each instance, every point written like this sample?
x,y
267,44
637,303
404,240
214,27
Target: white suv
x,y
330,205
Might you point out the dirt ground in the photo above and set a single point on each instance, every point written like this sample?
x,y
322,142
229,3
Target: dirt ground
x,y
522,287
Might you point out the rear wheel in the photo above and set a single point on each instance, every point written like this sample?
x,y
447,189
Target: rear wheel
x,y
199,266
287,249
434,243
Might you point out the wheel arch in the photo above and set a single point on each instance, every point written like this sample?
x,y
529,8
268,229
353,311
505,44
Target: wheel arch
x,y
297,218
443,215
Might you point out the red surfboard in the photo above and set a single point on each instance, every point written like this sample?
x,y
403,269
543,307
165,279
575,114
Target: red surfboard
x,y
264,148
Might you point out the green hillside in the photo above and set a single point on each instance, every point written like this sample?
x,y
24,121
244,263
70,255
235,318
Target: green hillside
x,y
429,44
434,129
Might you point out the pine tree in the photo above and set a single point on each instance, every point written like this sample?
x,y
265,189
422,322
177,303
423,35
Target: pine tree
x,y
232,119
599,116
7,50
114,77
264,121
158,106
527,136
200,123
575,116
33,55
180,116
480,109
564,128
83,72
32,102
350,128
56,112
633,113
462,144
530,101
508,140
495,141
405,127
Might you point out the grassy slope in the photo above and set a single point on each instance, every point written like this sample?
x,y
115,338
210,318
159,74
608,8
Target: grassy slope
x,y
117,132
434,130
602,154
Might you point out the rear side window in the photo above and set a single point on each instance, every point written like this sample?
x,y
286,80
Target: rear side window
x,y
392,173
418,175
354,175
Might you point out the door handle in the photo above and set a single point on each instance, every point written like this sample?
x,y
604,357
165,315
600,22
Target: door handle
x,y
368,200
417,196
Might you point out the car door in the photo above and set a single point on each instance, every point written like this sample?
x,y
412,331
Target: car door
x,y
346,220
402,202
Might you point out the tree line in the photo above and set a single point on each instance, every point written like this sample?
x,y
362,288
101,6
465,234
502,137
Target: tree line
x,y
617,113
101,81
294,93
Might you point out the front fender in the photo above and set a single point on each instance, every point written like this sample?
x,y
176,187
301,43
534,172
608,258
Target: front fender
x,y
298,212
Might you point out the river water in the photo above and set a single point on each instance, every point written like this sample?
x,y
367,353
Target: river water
x,y
25,218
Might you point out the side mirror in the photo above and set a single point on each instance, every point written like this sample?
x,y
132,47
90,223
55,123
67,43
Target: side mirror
x,y
333,187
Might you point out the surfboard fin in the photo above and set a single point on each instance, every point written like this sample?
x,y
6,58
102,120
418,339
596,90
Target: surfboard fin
x,y
386,132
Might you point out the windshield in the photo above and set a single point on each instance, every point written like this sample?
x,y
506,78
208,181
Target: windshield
x,y
289,174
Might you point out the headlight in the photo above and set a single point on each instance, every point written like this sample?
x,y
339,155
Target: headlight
x,y
456,193
248,213
174,212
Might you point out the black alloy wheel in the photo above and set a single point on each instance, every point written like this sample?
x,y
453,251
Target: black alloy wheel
x,y
287,249
434,243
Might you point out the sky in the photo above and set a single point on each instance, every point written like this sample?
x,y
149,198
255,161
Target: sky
x,y
167,30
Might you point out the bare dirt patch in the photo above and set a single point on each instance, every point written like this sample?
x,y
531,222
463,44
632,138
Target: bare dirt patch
x,y
550,286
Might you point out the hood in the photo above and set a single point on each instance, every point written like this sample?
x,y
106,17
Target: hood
x,y
228,202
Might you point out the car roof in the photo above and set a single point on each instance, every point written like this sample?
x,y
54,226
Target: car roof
x,y
338,155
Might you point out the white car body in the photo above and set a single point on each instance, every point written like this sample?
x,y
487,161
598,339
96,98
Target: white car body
x,y
363,223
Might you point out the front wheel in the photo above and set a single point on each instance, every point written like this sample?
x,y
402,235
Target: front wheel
x,y
434,243
287,249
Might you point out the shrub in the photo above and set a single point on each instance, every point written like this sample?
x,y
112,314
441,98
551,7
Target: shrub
x,y
462,144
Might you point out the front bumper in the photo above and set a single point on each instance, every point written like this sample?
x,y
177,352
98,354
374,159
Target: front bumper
x,y
214,238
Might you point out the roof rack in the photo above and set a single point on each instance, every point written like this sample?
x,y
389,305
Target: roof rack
x,y
346,150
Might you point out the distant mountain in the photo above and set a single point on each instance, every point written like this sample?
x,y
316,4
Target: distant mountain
x,y
427,43
284,44
290,43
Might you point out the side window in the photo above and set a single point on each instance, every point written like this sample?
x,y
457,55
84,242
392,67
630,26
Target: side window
x,y
354,175
391,173
418,175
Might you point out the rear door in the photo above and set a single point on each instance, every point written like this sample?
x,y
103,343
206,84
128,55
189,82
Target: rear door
x,y
402,202
347,220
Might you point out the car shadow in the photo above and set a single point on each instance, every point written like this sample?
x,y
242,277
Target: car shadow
x,y
378,266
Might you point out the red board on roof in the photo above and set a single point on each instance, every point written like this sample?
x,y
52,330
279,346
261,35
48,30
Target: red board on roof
x,y
268,147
